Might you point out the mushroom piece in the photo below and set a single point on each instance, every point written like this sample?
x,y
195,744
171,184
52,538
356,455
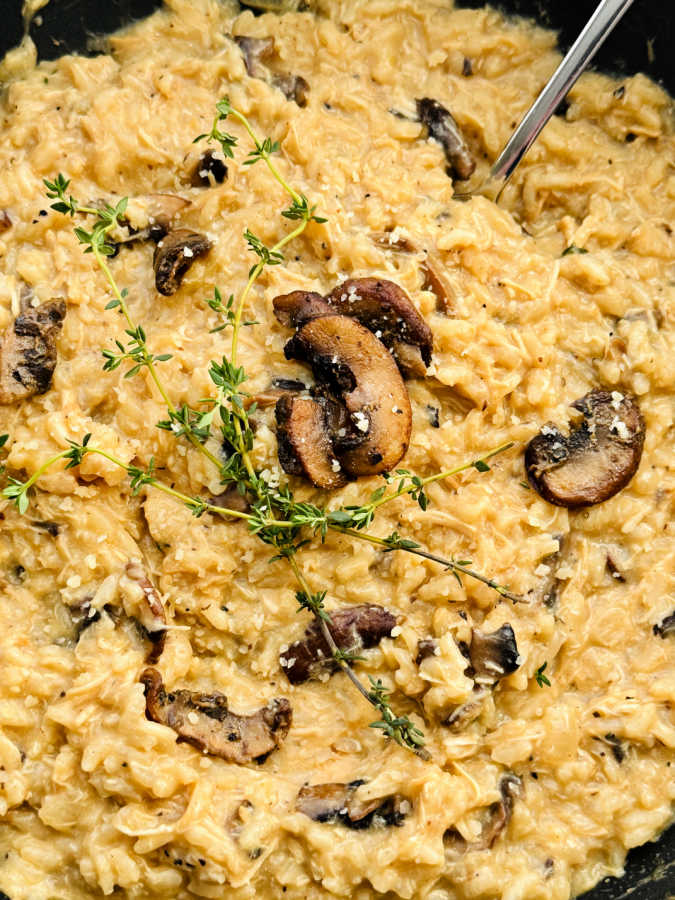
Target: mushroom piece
x,y
385,309
174,255
335,803
353,629
510,789
28,352
443,128
493,655
425,648
468,712
599,457
298,307
305,447
255,51
205,721
293,87
357,368
5,221
499,816
152,215
666,626
209,166
230,498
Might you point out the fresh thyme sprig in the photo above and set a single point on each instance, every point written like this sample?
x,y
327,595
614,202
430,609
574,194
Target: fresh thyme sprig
x,y
275,516
398,728
540,677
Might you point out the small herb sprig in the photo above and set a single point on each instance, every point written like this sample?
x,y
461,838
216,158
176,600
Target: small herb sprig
x,y
542,679
275,516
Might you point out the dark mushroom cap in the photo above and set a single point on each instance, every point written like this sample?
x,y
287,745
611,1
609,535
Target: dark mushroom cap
x,y
599,457
28,351
355,628
208,164
493,654
385,309
357,367
255,51
293,87
205,721
443,128
174,255
298,307
335,802
304,443
666,626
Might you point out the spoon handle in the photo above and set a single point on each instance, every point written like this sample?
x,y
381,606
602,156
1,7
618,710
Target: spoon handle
x,y
578,57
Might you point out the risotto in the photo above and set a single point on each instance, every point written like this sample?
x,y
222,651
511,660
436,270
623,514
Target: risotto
x,y
129,625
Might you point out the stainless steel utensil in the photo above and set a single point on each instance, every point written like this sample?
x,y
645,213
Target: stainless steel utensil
x,y
578,57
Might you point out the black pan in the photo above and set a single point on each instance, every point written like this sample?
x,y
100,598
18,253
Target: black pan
x,y
644,41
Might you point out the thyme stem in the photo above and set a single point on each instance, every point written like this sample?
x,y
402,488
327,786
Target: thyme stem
x,y
449,564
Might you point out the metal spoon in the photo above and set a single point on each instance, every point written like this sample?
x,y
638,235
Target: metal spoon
x,y
578,57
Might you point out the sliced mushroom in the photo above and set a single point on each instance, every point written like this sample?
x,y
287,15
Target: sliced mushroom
x,y
392,240
493,655
205,721
499,816
599,457
468,712
28,352
435,281
209,167
5,221
174,255
335,803
293,87
665,626
353,629
52,528
443,128
298,307
385,309
356,366
425,648
510,788
153,215
305,447
230,498
255,51
151,612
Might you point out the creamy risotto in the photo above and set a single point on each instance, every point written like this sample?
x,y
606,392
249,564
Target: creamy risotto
x,y
125,620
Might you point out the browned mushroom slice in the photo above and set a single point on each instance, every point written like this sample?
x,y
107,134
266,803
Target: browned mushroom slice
x,y
353,629
468,712
174,255
385,309
255,52
392,240
230,498
304,443
210,166
335,803
665,626
493,655
599,457
293,87
510,788
499,815
206,721
28,352
425,648
298,307
5,221
356,366
443,128
435,281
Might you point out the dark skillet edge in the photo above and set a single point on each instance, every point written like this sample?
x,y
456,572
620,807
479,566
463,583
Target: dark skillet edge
x,y
642,42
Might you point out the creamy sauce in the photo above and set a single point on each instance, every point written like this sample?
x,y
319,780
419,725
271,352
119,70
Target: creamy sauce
x,y
96,799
